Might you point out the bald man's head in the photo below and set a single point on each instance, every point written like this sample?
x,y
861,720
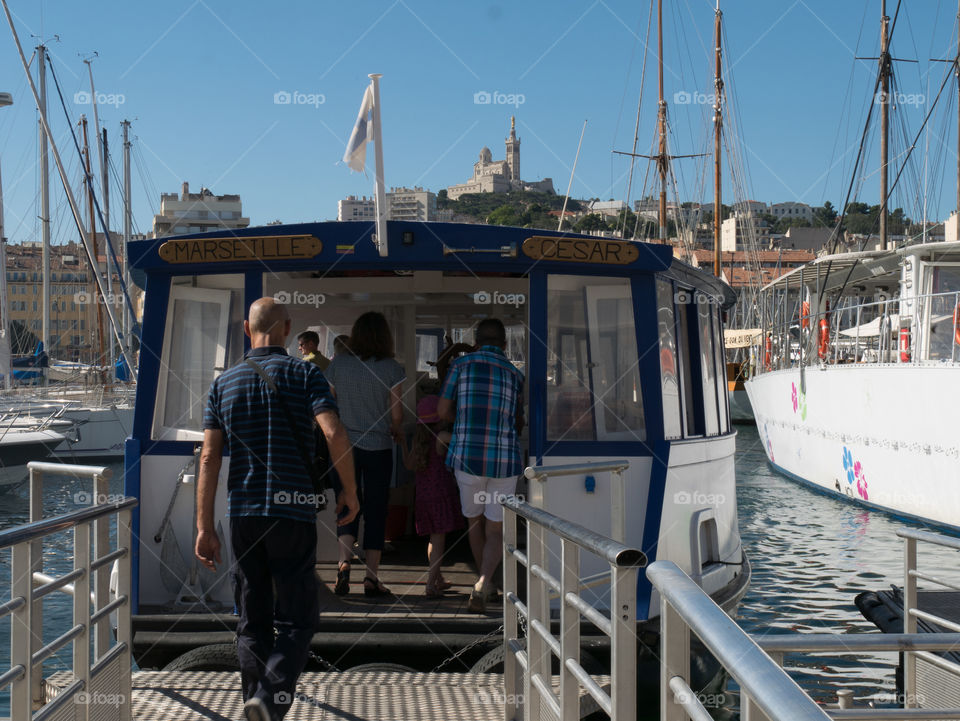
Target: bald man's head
x,y
269,320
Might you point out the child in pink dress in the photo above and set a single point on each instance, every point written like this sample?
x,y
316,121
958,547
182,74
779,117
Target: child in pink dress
x,y
437,505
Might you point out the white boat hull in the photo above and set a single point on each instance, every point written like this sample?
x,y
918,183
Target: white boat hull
x,y
99,433
17,448
884,436
740,409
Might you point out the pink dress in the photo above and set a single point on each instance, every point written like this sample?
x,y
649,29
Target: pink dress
x,y
437,506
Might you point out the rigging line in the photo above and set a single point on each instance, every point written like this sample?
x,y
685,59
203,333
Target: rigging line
x,y
106,231
636,129
883,205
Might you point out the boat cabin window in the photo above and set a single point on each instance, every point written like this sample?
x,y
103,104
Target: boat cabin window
x,y
203,337
669,380
593,376
943,289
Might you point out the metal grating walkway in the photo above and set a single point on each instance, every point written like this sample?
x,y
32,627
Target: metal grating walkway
x,y
363,696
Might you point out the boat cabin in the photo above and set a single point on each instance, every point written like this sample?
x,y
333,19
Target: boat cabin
x,y
621,346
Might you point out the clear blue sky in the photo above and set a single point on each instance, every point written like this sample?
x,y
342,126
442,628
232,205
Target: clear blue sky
x,y
198,79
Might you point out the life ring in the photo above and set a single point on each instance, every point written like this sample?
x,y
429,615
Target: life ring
x,y
956,323
824,343
904,345
805,315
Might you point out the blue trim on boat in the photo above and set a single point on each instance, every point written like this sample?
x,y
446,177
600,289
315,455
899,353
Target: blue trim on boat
x,y
151,347
131,487
651,523
252,290
644,293
423,252
899,515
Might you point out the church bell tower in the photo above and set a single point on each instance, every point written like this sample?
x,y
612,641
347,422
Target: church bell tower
x,y
513,151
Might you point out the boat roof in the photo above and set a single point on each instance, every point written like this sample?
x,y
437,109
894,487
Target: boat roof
x,y
453,247
839,269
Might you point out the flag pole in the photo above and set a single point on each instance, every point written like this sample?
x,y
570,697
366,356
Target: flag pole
x,y
380,197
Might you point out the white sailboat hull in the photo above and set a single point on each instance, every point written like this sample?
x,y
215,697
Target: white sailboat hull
x,y
740,409
100,433
882,435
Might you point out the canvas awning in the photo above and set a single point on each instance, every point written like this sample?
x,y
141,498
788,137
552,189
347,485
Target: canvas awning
x,y
741,337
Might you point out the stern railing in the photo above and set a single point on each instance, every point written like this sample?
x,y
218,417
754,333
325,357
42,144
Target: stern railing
x,y
101,681
534,658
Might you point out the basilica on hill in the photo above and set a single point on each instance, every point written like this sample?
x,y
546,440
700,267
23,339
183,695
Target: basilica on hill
x,y
499,176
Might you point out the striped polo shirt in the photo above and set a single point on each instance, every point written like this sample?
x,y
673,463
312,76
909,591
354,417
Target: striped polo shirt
x,y
487,389
267,477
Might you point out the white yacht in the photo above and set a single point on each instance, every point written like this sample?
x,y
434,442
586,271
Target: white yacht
x,y
860,399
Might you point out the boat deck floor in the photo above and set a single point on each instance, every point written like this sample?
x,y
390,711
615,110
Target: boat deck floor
x,y
360,696
352,629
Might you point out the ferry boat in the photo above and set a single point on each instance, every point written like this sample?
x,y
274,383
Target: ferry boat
x,y
621,345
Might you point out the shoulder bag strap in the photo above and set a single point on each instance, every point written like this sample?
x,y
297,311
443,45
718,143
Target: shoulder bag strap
x,y
305,457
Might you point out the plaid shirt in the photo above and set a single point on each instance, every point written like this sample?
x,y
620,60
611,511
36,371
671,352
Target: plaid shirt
x,y
487,389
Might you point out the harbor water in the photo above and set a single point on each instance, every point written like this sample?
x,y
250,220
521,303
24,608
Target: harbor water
x,y
811,555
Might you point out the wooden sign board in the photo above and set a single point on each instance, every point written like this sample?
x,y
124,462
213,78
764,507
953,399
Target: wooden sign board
x,y
227,250
581,250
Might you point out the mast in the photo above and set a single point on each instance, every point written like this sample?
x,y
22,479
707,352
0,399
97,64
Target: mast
x,y
95,265
127,223
884,119
5,328
662,159
717,130
44,203
108,246
71,200
956,69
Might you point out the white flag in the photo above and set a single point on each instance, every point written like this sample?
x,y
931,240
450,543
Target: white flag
x,y
356,153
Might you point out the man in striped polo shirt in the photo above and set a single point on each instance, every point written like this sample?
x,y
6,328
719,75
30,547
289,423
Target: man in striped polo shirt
x,y
483,397
270,504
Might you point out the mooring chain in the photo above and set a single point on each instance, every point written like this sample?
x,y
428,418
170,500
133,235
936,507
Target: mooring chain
x,y
327,666
466,648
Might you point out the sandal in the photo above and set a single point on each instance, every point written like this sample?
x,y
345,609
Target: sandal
x,y
443,584
342,587
373,588
433,591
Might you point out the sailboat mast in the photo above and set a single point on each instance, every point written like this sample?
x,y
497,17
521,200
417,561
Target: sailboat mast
x,y
956,70
662,125
44,202
127,224
884,120
717,130
93,238
108,246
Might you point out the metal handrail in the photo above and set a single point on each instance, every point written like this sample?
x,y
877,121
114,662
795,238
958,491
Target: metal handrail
x,y
684,609
108,668
47,526
611,551
618,512
541,644
911,608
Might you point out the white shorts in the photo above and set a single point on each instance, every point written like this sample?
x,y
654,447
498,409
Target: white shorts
x,y
480,495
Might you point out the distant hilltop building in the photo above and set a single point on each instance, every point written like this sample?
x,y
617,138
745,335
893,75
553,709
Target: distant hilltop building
x,y
499,176
197,212
402,204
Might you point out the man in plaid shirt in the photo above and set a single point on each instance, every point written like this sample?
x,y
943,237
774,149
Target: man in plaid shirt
x,y
483,397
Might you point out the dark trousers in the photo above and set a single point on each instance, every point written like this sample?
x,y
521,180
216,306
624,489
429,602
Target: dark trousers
x,y
374,469
274,586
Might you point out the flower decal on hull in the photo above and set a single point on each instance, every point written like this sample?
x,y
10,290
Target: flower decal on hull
x,y
855,474
799,400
